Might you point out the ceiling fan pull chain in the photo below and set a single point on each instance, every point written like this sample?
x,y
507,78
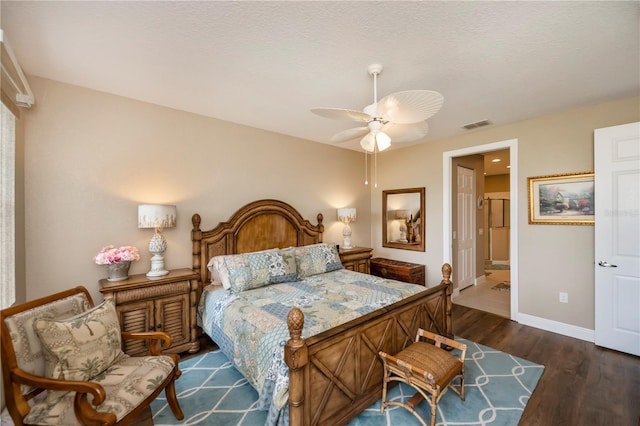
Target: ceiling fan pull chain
x,y
366,168
375,166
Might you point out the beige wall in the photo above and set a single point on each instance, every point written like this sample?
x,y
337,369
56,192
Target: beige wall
x,y
496,183
91,158
551,258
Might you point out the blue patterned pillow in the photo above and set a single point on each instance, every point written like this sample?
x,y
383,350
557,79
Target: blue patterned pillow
x,y
240,272
317,259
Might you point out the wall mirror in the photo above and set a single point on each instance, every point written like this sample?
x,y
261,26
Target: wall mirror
x,y
403,219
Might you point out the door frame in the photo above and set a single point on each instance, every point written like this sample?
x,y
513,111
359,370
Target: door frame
x,y
447,240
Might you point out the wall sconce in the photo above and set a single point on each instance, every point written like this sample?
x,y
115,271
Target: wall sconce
x,y
158,217
346,216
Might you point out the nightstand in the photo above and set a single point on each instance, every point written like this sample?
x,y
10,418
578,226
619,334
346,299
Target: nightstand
x,y
166,303
397,270
356,259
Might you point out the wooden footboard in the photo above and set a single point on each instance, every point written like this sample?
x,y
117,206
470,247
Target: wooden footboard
x,y
335,375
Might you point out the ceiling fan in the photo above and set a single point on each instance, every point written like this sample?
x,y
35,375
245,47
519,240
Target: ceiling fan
x,y
398,117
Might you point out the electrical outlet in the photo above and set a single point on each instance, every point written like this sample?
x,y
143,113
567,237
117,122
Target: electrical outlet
x,y
564,297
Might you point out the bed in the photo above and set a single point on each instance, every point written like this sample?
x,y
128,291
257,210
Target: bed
x,y
328,371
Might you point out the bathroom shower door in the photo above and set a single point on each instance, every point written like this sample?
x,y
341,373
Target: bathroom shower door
x,y
497,212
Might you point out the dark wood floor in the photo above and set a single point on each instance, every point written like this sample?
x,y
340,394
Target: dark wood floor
x,y
582,384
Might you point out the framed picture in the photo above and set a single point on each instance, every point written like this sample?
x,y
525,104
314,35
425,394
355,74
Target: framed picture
x,y
565,199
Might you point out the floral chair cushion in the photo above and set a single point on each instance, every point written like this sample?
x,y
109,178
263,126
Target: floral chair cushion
x,y
127,382
83,346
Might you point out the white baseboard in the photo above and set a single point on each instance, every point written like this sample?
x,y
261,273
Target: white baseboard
x,y
480,280
557,327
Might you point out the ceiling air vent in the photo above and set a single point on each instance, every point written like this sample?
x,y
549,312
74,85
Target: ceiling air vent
x,y
477,124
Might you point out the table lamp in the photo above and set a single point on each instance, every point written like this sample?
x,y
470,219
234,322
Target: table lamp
x,y
402,215
346,216
157,216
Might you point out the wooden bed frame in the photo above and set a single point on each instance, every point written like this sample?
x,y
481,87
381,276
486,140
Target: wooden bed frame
x,y
334,375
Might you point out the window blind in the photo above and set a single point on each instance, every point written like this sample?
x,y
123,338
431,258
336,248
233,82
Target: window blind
x,y
7,207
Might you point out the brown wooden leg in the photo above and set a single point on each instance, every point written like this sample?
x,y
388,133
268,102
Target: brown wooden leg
x,y
170,392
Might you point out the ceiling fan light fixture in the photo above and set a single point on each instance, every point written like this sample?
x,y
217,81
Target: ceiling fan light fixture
x,y
383,141
368,142
375,139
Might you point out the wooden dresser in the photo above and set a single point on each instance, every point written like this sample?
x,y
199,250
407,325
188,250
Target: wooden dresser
x,y
356,259
165,303
398,270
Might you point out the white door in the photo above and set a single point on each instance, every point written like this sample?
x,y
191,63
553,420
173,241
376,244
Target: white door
x,y
465,265
617,237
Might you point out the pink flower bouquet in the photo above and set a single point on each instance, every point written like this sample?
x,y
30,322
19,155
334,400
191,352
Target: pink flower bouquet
x,y
111,254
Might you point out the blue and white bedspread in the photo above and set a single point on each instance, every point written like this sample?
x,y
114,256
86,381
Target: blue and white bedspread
x,y
250,327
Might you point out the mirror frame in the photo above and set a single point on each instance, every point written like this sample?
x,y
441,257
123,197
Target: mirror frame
x,y
385,238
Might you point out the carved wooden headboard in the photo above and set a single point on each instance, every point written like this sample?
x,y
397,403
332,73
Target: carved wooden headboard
x,y
260,225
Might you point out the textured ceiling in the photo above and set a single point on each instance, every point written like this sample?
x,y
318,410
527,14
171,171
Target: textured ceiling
x,y
265,64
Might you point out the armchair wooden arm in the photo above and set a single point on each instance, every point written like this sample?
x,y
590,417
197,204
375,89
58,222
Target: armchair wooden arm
x,y
85,410
21,377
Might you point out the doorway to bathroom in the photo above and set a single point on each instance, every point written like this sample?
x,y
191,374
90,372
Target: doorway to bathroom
x,y
492,286
495,286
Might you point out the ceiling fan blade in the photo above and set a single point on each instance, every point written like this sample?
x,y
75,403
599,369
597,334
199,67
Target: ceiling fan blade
x,y
342,114
410,106
406,132
347,135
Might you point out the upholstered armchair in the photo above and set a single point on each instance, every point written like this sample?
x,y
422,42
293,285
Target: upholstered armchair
x,y
62,364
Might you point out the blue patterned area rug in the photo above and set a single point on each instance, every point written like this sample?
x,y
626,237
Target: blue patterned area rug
x,y
497,388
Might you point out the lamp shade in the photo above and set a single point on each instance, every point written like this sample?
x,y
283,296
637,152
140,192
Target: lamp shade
x,y
347,215
156,216
368,142
402,214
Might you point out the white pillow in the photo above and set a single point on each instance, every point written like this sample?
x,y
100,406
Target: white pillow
x,y
215,265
